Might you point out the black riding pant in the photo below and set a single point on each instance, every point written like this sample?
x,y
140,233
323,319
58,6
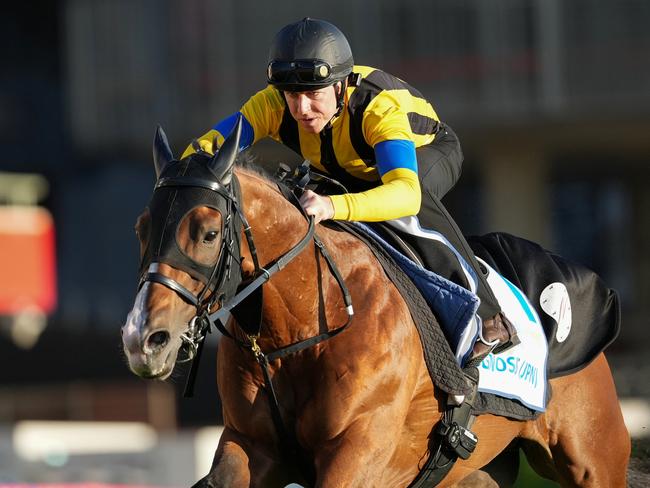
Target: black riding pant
x,y
439,167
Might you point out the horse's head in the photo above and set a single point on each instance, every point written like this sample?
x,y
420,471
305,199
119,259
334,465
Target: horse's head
x,y
189,246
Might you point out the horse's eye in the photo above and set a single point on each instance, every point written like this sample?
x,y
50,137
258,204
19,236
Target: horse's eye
x,y
210,236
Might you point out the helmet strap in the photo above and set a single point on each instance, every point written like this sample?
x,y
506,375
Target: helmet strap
x,y
340,99
353,79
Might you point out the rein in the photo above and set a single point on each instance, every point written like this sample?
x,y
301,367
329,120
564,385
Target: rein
x,y
200,325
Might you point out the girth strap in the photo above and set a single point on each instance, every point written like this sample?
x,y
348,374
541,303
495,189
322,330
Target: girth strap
x,y
451,439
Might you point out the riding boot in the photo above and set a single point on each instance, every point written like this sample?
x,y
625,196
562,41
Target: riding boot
x,y
497,335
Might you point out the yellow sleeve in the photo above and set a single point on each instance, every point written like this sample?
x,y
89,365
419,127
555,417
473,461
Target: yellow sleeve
x,y
263,111
387,118
398,196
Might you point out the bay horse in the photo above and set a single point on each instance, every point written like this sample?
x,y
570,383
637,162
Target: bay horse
x,y
361,404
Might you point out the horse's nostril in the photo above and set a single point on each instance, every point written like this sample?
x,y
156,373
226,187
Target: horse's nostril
x,y
157,339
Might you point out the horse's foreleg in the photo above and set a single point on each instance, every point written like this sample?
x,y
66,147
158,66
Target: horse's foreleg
x,y
230,465
237,464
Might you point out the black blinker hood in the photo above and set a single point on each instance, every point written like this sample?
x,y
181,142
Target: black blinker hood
x,y
181,187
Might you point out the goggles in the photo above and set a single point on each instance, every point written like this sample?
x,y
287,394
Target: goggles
x,y
305,71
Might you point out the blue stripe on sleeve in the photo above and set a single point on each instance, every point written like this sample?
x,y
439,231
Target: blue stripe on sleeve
x,y
393,154
226,125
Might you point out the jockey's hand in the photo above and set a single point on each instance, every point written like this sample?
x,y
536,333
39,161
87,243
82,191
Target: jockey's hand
x,y
319,206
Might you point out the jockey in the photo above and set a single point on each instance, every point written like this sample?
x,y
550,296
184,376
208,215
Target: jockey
x,y
380,138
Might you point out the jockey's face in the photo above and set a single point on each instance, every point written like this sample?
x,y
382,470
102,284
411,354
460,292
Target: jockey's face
x,y
313,109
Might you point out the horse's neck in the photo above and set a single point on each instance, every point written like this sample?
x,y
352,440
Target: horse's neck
x,y
275,223
291,296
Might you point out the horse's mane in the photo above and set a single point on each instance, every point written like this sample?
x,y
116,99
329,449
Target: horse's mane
x,y
246,164
251,168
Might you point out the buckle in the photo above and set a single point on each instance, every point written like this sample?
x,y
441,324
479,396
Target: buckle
x,y
457,439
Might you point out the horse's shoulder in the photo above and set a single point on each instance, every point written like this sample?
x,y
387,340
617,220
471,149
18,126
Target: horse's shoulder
x,y
348,250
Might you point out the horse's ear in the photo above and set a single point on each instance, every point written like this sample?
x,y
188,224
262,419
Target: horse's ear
x,y
221,164
162,153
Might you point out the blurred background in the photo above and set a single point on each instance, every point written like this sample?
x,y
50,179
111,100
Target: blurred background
x,y
551,101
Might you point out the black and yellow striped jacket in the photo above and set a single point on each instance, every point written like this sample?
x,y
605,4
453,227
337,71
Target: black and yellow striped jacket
x,y
372,142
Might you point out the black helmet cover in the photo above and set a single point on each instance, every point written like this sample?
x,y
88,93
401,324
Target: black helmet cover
x,y
307,55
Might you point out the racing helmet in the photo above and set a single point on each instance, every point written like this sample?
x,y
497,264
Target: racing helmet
x,y
308,55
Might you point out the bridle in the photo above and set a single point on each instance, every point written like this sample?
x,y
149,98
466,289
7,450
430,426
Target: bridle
x,y
224,275
222,271
224,289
